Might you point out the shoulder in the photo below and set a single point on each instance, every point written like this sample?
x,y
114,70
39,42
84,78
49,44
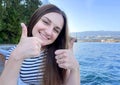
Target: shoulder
x,y
9,52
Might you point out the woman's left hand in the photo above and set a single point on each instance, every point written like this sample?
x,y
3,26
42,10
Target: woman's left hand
x,y
65,59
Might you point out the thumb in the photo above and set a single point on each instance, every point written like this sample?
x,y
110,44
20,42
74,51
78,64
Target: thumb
x,y
24,30
70,45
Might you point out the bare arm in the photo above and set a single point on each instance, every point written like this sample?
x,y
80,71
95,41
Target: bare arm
x,y
26,48
65,59
73,77
10,73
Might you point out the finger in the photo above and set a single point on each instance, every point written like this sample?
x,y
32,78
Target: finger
x,y
39,41
71,42
59,57
60,61
24,30
39,46
63,65
60,51
71,45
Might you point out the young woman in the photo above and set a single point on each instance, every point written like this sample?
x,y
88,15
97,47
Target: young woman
x,y
42,57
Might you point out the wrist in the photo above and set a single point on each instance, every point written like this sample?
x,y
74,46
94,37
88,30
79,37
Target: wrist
x,y
16,56
76,67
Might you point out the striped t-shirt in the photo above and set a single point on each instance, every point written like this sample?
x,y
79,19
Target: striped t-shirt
x,y
32,69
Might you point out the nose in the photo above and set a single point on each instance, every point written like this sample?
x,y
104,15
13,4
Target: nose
x,y
49,31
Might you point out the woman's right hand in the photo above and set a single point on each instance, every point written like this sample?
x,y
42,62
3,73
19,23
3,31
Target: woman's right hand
x,y
28,46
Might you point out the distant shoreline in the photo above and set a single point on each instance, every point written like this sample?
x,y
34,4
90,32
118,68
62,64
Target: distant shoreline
x,y
97,36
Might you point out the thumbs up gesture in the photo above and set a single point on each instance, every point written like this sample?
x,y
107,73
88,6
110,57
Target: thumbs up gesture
x,y
65,59
28,46
24,31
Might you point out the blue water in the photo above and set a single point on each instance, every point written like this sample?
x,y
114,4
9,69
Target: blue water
x,y
99,63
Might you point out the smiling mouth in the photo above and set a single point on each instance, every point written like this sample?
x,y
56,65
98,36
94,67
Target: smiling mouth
x,y
43,36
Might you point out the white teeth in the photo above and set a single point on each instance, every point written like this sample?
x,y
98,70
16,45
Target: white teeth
x,y
43,36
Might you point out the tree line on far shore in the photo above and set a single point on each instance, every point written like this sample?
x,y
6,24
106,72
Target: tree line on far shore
x,y
12,13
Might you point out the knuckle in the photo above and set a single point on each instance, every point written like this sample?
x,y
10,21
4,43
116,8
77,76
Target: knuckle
x,y
36,53
64,54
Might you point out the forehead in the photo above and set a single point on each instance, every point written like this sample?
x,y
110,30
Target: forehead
x,y
55,18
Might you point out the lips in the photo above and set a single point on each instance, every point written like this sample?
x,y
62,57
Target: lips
x,y
43,36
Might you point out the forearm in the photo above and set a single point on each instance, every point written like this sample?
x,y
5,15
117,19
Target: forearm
x,y
73,78
10,73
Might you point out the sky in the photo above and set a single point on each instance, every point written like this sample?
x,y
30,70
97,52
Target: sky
x,y
91,15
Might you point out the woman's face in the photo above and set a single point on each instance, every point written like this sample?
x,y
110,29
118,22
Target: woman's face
x,y
48,28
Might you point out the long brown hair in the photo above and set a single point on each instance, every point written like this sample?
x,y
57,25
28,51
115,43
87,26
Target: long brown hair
x,y
53,75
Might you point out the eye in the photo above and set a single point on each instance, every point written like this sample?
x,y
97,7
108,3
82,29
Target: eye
x,y
57,30
45,22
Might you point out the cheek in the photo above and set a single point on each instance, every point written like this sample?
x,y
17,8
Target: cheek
x,y
33,31
38,26
55,36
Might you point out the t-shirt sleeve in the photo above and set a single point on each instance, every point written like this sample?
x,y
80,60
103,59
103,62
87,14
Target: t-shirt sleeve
x,y
9,52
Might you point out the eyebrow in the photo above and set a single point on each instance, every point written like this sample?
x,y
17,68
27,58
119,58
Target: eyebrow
x,y
48,19
53,23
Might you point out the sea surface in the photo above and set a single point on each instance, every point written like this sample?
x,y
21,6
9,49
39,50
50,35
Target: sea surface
x,y
99,63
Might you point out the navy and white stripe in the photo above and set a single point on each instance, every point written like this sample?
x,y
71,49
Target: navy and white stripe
x,y
32,69
9,52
